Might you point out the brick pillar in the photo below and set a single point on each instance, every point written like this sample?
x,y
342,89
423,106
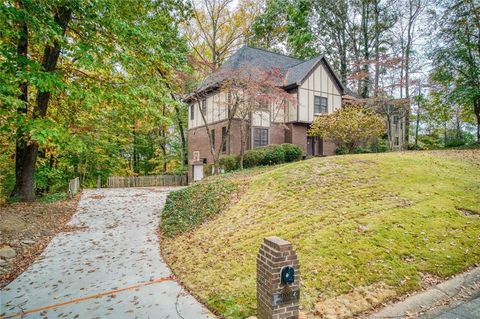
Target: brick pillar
x,y
276,300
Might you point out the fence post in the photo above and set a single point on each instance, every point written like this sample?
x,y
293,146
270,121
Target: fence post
x,y
278,280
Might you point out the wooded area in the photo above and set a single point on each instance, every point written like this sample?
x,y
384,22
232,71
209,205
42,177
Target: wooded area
x,y
93,88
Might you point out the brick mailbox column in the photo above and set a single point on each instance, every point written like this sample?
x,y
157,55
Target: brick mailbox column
x,y
277,299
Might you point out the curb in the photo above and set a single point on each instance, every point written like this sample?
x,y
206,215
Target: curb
x,y
422,301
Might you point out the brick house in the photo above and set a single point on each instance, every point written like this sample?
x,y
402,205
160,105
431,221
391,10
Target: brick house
x,y
316,89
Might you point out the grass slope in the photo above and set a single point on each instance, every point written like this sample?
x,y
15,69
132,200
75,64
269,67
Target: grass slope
x,y
355,221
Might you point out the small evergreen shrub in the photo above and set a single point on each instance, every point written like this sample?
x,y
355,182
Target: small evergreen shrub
x,y
274,154
292,152
254,157
230,162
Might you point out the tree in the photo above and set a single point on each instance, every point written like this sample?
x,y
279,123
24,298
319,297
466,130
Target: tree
x,y
218,28
70,68
349,127
456,55
253,90
248,90
285,23
390,109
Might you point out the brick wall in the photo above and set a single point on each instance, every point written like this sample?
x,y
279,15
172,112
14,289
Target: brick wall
x,y
275,254
297,134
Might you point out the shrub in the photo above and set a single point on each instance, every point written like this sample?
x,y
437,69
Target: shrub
x,y
253,157
190,206
274,154
230,162
207,170
292,152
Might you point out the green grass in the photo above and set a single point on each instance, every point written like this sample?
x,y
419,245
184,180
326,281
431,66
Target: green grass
x,y
355,221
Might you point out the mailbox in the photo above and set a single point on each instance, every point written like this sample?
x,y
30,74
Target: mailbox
x,y
287,275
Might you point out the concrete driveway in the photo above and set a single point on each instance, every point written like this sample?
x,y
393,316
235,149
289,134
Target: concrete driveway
x,y
108,267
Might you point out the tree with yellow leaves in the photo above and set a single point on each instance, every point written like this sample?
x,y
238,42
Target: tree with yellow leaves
x,y
348,127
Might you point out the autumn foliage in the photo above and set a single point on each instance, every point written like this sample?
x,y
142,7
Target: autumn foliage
x,y
349,127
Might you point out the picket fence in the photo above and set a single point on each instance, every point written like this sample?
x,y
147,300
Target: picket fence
x,y
146,181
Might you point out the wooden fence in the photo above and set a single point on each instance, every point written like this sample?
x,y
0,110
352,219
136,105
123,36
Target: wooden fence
x,y
73,187
146,181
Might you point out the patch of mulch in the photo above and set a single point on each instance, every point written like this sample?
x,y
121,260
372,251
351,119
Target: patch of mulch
x,y
27,228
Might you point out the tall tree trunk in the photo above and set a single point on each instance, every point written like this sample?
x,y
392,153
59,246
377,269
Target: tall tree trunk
x,y
377,48
445,134
163,143
476,110
181,129
366,52
22,182
135,153
407,75
417,124
242,142
26,156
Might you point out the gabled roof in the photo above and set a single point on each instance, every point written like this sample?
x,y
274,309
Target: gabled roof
x,y
294,71
297,73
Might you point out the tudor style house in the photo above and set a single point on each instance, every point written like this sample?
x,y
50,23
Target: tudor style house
x,y
314,85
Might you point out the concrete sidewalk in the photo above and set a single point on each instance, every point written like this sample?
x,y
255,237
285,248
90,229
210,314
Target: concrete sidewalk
x,y
470,309
456,298
110,267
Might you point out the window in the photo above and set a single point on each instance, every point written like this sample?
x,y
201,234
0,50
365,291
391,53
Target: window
x,y
395,119
397,141
192,112
320,105
224,139
203,106
212,132
260,137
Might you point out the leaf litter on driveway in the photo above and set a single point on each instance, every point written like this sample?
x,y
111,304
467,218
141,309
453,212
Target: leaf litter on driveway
x,y
115,256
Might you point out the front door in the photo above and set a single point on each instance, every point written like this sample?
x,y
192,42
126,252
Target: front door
x,y
314,146
310,146
197,172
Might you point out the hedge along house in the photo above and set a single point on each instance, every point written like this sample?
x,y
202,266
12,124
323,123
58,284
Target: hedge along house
x,y
312,84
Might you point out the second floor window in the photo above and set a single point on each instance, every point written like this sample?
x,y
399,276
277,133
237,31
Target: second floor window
x,y
192,112
203,106
224,139
395,119
260,137
320,105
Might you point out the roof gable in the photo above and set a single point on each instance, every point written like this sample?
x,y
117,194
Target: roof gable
x,y
294,71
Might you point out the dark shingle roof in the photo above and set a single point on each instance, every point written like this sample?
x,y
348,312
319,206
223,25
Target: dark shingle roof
x,y
293,70
297,73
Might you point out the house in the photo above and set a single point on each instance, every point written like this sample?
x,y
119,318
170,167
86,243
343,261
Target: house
x,y
314,85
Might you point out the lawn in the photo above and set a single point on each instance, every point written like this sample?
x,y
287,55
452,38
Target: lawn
x,y
367,228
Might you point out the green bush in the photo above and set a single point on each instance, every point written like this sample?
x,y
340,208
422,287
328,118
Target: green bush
x,y
292,152
207,170
230,162
55,197
190,206
274,154
271,155
253,157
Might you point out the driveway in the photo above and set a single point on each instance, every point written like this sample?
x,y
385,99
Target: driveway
x,y
108,266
